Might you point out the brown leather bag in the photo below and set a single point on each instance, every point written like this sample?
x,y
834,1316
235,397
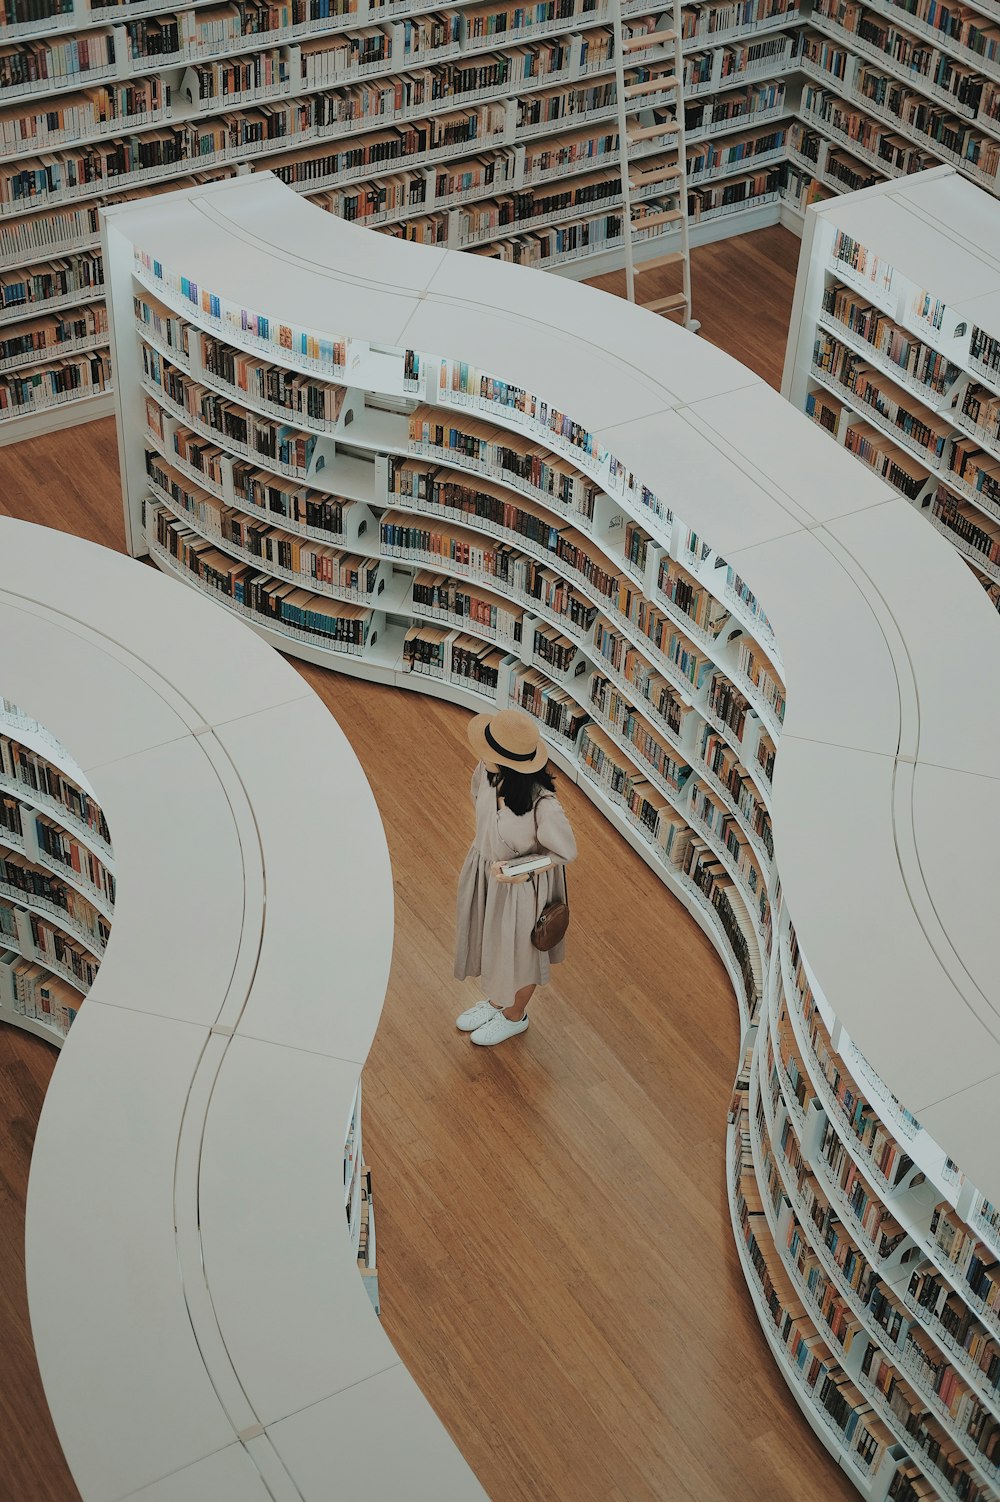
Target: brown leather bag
x,y
553,921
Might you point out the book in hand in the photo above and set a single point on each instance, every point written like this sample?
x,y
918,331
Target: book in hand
x,y
525,865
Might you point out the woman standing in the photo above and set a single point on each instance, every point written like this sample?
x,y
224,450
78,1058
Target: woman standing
x,y
517,814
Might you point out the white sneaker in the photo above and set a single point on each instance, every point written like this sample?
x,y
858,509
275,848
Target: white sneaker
x,y
475,1016
498,1029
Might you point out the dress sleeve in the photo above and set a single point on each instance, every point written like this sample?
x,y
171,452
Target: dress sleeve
x,y
477,780
554,833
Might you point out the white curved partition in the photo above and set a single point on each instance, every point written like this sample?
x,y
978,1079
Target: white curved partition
x,y
885,644
208,1337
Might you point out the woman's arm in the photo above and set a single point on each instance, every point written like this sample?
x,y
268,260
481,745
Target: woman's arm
x,y
477,780
554,834
555,839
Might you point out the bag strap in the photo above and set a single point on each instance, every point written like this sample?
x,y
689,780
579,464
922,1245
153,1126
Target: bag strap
x,y
534,809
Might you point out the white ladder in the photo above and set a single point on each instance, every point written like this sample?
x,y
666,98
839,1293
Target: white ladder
x,y
667,73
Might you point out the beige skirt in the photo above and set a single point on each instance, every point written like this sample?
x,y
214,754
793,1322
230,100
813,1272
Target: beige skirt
x,y
493,928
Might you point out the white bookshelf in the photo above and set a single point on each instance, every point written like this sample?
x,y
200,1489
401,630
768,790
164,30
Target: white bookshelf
x,y
889,89
100,104
57,883
809,558
936,234
210,1335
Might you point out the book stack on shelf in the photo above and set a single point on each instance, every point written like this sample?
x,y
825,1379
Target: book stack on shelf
x,y
492,129
882,1253
894,348
889,89
505,554
358,1202
57,884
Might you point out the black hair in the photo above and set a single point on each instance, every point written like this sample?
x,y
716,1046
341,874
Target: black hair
x,y
519,790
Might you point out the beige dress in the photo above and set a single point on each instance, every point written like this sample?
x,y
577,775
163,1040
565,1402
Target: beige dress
x,y
495,918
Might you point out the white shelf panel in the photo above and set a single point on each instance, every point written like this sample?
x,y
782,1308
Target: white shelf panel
x,y
284,1001
165,626
116,1439
200,901
228,1475
422,1465
271,1241
939,1051
857,700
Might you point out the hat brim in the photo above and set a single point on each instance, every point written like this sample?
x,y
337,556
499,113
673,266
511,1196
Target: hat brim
x,y
486,753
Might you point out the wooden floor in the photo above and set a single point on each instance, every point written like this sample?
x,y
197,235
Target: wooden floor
x,y
556,1260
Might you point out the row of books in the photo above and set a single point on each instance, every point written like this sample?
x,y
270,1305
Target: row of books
x,y
44,336
68,379
923,365
462,384
32,992
725,766
25,767
720,156
825,1385
124,105
403,536
977,534
710,69
921,427
243,323
493,449
932,1442
938,69
442,652
934,125
733,107
963,25
88,170
28,287
75,231
707,18
900,468
288,448
955,1324
981,407
56,60
312,563
336,624
960,1328
18,875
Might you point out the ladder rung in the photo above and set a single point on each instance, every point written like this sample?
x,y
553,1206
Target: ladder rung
x,y
648,39
661,175
647,132
671,304
651,85
651,221
671,259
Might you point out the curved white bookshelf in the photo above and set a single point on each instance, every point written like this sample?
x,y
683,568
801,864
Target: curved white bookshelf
x,y
210,1339
675,455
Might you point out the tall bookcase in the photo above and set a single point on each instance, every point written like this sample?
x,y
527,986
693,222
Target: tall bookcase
x,y
57,885
339,441
894,348
891,88
491,128
198,1202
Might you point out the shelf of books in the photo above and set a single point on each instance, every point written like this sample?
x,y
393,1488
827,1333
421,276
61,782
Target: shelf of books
x,y
891,89
336,440
214,1333
57,885
894,348
485,128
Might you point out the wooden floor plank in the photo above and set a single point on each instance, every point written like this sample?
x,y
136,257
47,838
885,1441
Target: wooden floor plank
x,y
556,1258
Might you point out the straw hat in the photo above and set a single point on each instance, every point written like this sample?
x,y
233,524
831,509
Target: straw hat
x,y
509,738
